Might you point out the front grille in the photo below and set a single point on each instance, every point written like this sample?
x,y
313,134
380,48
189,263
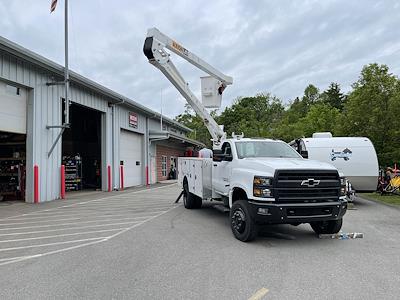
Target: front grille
x,y
306,186
302,175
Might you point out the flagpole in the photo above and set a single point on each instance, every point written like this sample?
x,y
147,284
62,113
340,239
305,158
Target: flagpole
x,y
66,71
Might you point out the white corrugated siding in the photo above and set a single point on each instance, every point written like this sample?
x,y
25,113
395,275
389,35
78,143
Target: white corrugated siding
x,y
44,108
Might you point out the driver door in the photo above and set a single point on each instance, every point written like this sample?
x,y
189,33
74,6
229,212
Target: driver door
x,y
221,172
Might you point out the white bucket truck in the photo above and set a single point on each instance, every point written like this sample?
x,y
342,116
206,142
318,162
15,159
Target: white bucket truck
x,y
261,181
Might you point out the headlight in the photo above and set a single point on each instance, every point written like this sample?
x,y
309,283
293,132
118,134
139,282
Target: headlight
x,y
262,187
264,181
343,186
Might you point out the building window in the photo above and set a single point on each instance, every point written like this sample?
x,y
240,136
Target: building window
x,y
164,166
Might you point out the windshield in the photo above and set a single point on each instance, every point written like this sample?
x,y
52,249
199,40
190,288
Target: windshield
x,y
265,149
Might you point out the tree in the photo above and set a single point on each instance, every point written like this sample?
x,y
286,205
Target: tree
x,y
311,95
320,118
333,96
373,110
254,116
194,122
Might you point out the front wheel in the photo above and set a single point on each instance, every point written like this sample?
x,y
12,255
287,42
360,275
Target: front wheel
x,y
242,224
327,227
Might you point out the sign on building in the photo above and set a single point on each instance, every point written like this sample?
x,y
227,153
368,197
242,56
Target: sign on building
x,y
133,120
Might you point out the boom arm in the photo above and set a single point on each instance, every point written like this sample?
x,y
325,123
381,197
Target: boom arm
x,y
154,49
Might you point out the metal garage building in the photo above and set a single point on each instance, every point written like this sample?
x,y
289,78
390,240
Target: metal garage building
x,y
107,131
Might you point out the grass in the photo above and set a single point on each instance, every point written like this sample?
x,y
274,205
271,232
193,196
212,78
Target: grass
x,y
389,198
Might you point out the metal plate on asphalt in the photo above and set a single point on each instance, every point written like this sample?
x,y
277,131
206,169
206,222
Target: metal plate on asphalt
x,y
342,236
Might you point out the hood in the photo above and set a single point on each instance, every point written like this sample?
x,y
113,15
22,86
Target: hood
x,y
270,164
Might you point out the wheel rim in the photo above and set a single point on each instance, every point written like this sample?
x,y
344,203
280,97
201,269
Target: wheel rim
x,y
239,220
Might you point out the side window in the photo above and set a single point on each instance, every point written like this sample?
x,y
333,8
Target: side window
x,y
298,145
294,145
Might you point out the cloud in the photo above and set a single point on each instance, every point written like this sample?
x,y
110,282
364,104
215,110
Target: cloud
x,y
267,46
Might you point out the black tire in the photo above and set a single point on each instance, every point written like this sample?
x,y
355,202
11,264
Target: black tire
x,y
197,202
242,224
327,227
190,201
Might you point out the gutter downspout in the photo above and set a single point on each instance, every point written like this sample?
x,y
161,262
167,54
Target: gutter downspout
x,y
113,139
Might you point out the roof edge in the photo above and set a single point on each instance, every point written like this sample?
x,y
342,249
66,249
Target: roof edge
x,y
43,62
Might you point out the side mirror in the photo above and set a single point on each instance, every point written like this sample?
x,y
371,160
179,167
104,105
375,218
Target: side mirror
x,y
304,154
228,158
218,155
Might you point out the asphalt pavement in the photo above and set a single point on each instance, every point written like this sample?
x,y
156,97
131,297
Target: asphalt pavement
x,y
140,245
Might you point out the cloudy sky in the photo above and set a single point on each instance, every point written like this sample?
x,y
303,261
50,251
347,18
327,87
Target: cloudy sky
x,y
266,46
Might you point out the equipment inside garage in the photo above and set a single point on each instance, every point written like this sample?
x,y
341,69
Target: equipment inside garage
x,y
12,166
81,149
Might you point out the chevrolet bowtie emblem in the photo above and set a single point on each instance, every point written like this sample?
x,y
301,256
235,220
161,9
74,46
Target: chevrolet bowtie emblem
x,y
310,182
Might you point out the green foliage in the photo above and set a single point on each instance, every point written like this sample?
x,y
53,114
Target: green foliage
x,y
320,118
333,96
371,109
311,95
194,122
254,116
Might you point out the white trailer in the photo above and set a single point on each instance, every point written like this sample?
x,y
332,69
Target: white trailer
x,y
355,157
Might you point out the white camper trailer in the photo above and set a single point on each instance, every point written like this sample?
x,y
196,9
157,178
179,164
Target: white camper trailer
x,y
355,157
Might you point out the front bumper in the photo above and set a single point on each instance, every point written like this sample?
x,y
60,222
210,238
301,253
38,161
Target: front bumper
x,y
287,213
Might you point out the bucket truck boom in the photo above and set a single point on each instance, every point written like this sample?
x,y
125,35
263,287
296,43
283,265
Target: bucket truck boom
x,y
155,47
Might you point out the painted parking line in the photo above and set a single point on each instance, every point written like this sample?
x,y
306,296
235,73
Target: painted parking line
x,y
92,213
85,244
259,294
72,224
120,205
66,229
85,215
78,225
90,201
52,244
61,235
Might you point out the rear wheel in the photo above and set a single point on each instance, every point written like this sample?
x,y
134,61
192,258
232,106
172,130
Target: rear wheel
x,y
242,224
190,200
327,227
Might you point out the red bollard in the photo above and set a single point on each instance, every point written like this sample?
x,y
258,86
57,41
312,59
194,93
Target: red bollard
x,y
62,182
109,178
121,177
147,175
36,184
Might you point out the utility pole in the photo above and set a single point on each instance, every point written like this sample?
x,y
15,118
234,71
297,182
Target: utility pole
x,y
65,82
66,71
